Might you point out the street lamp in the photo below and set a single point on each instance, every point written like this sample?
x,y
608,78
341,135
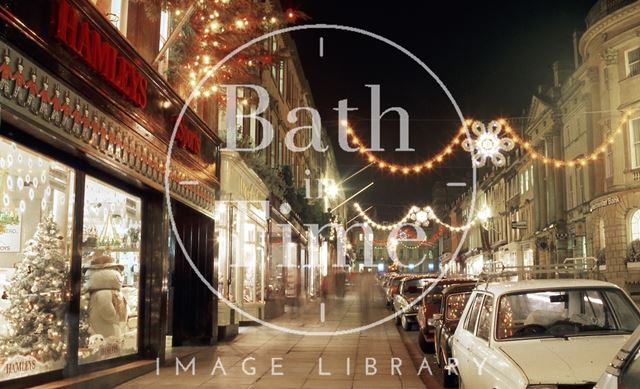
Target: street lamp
x,y
484,214
332,190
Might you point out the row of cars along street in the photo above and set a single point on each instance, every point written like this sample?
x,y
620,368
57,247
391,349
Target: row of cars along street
x,y
560,328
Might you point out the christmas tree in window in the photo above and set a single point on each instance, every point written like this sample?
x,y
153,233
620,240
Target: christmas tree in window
x,y
38,294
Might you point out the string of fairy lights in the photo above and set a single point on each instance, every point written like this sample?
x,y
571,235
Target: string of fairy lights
x,y
427,164
419,215
495,144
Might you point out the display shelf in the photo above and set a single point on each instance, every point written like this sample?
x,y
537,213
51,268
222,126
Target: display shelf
x,y
112,249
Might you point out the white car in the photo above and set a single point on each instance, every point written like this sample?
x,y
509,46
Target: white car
x,y
624,370
544,334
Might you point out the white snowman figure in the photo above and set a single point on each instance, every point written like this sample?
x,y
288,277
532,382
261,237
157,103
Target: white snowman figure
x,y
107,306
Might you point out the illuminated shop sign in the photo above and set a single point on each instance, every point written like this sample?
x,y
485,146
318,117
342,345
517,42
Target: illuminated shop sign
x,y
101,56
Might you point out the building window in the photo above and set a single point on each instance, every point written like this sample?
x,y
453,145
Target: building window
x,y
570,200
164,28
36,220
635,225
163,65
601,233
115,11
281,76
633,62
579,185
111,273
608,162
634,142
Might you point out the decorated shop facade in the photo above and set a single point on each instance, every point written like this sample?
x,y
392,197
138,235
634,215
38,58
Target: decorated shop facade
x,y
87,280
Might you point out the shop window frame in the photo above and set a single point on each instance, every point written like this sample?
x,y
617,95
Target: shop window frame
x,y
81,169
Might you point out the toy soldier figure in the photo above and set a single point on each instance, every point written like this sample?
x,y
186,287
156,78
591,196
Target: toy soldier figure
x,y
111,138
5,75
124,153
66,112
18,78
45,100
104,139
118,147
56,107
101,134
92,133
77,117
32,90
85,121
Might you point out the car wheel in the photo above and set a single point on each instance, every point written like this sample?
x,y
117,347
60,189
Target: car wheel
x,y
422,342
406,324
449,380
426,347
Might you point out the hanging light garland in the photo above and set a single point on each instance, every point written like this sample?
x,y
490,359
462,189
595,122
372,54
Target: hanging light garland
x,y
424,242
406,169
487,145
417,215
582,161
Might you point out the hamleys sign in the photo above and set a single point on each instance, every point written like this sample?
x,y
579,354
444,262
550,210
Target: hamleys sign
x,y
101,56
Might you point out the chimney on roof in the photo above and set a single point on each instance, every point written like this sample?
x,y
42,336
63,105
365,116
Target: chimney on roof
x,y
577,60
561,71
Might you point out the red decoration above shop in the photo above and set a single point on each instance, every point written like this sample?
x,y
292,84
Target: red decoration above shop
x,y
101,56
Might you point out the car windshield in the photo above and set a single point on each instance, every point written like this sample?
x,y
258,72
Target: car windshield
x,y
455,305
413,287
563,313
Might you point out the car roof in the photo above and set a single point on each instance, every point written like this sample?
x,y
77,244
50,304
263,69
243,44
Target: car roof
x,y
458,288
504,287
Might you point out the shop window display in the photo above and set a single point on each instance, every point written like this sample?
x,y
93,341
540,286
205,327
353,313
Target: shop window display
x,y
252,219
35,254
110,266
275,288
226,285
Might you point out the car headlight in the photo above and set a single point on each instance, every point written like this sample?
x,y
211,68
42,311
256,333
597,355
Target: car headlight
x,y
542,387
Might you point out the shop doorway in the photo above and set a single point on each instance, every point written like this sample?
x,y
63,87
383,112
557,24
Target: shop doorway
x,y
192,307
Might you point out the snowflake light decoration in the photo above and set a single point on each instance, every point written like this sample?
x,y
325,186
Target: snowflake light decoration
x,y
487,144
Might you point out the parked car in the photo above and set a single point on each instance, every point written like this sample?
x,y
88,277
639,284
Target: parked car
x,y
430,306
410,288
392,288
454,299
624,369
541,333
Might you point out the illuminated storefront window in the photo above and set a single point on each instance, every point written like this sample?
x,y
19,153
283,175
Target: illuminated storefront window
x,y
36,220
111,273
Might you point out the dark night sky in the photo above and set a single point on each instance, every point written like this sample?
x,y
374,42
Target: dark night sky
x,y
491,56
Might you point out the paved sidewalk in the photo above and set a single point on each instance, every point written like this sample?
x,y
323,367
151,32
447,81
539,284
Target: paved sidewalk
x,y
259,348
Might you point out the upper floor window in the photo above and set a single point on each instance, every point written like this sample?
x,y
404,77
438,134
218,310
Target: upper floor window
x,y
634,143
608,160
635,224
633,62
579,185
164,28
115,11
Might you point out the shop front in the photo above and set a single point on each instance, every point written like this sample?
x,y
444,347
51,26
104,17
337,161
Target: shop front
x,y
613,237
287,253
83,226
242,214
474,263
509,254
